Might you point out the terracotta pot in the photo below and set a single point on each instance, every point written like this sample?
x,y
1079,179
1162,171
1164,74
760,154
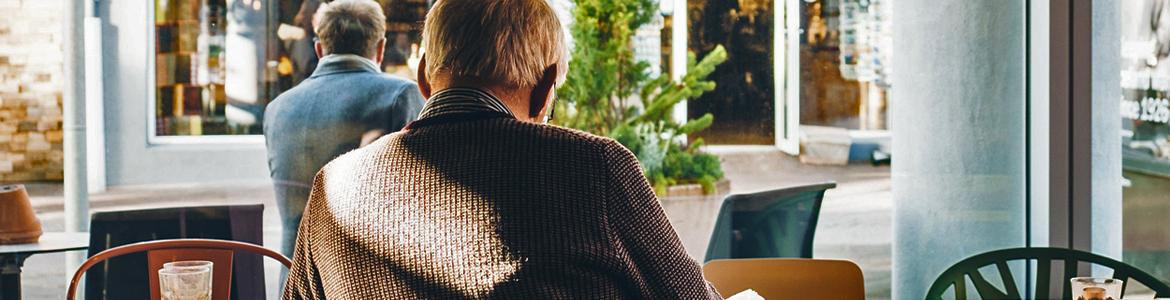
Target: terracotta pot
x,y
18,222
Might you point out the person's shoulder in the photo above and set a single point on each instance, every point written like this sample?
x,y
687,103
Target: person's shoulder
x,y
577,138
388,84
358,159
390,80
300,91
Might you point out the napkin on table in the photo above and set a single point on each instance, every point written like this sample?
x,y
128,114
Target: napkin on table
x,y
747,294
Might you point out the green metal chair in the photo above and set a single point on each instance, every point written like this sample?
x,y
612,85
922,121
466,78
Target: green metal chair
x,y
771,224
956,276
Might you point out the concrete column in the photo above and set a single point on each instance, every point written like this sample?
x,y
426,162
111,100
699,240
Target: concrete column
x,y
73,106
1106,136
959,139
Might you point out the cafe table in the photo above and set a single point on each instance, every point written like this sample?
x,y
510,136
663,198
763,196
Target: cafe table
x,y
12,257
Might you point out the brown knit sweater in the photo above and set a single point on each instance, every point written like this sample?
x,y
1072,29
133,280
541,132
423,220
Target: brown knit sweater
x,y
485,206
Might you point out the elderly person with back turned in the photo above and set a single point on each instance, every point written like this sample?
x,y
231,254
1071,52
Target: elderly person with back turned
x,y
478,198
346,103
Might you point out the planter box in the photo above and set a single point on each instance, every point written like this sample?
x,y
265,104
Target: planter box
x,y
683,191
693,214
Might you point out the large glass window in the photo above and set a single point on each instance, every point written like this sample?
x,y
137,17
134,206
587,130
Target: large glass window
x,y
219,62
1145,116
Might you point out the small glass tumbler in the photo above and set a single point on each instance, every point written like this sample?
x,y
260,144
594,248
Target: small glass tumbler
x,y
1089,288
185,282
188,264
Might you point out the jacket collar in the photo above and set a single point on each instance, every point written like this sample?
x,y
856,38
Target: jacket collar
x,y
462,100
344,63
461,104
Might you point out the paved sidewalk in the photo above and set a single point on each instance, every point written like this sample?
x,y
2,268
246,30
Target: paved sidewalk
x,y
855,220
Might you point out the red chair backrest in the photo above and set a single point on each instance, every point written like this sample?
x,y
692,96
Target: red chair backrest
x,y
159,252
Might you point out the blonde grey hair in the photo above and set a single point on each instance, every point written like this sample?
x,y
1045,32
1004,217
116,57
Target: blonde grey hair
x,y
510,42
351,27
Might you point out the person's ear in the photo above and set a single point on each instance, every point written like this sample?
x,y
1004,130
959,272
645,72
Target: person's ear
x,y
380,52
317,48
542,93
423,85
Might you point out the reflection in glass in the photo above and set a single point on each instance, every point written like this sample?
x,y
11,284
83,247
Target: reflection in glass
x,y
743,100
220,62
1145,115
844,50
191,72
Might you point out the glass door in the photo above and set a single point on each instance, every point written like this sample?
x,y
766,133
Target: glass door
x,y
743,102
787,64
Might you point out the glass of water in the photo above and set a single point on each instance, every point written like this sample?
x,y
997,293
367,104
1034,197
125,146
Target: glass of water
x,y
185,280
188,264
1089,288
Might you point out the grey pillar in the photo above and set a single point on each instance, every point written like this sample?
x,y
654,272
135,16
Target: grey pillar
x,y
959,137
73,105
1106,133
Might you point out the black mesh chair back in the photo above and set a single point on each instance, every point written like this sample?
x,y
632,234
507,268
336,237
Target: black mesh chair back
x,y
772,224
123,277
954,281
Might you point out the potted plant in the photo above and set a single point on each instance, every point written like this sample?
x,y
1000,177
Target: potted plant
x,y
610,93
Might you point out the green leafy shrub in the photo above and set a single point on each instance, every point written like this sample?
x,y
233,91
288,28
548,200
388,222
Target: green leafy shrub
x,y
609,93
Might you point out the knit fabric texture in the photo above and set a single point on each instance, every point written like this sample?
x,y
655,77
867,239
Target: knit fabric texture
x,y
489,208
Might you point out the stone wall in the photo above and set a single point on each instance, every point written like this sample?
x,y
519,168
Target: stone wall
x,y
30,91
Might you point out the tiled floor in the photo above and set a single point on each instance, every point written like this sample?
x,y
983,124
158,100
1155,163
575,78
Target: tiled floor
x,y
855,220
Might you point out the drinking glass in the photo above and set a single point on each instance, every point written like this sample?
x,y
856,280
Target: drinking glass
x,y
1089,288
185,281
184,264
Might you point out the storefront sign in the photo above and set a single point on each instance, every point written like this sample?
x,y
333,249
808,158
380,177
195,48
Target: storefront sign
x,y
1156,110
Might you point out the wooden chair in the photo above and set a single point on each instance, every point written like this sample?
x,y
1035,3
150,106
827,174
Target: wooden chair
x,y
956,276
219,252
787,278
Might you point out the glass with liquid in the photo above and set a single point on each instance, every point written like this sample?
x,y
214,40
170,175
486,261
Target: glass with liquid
x,y
1089,288
185,280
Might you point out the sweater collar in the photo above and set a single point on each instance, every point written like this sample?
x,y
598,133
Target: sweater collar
x,y
463,100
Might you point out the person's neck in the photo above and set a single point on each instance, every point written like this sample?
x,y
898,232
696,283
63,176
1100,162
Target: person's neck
x,y
516,99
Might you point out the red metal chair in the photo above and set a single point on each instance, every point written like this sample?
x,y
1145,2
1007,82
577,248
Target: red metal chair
x,y
219,252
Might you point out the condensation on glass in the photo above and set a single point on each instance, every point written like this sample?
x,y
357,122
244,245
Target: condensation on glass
x,y
219,63
1145,115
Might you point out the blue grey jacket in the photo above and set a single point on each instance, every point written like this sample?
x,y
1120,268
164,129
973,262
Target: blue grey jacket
x,y
325,116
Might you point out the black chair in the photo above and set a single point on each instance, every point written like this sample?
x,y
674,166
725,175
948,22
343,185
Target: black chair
x,y
123,277
956,276
772,224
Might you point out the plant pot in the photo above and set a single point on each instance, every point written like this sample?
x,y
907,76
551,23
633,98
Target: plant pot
x,y
18,222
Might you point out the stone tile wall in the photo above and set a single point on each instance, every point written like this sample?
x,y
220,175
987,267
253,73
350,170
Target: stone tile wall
x,y
30,91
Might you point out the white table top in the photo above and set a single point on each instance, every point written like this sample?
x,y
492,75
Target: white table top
x,y
51,242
